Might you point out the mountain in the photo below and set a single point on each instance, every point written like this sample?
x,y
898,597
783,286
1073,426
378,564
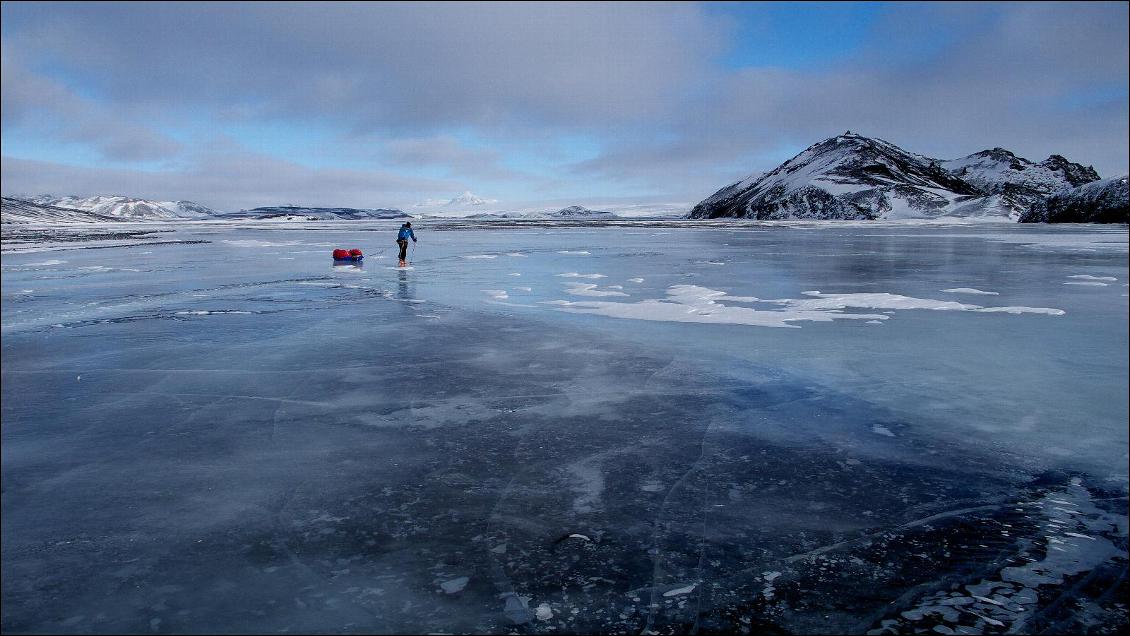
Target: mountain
x,y
1105,201
16,210
577,212
573,212
856,177
490,216
467,198
298,213
127,208
1018,181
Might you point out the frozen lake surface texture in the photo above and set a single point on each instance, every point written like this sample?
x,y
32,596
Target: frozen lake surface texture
x,y
626,428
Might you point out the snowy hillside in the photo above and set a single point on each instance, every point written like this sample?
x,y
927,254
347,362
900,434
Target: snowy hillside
x,y
856,177
16,210
1105,201
127,208
297,213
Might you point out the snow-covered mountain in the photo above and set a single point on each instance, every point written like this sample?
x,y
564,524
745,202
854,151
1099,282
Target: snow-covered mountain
x,y
298,213
489,216
577,212
1105,201
128,208
1019,182
856,177
573,212
15,210
469,199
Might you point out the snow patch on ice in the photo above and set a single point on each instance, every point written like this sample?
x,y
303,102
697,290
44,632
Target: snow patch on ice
x,y
576,275
1087,283
210,312
681,590
769,588
497,294
544,612
1089,277
455,585
1022,310
692,303
259,243
873,300
590,289
103,268
883,300
582,252
970,290
480,256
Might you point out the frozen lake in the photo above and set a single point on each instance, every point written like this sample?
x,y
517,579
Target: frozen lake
x,y
661,427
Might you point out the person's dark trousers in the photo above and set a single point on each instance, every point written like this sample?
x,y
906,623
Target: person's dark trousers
x,y
403,248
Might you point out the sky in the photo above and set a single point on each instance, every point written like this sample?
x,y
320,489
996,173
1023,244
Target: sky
x,y
533,105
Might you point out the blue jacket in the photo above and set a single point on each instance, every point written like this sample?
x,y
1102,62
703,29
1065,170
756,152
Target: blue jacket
x,y
405,234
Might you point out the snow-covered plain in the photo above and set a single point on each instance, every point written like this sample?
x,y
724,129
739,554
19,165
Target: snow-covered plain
x,y
797,426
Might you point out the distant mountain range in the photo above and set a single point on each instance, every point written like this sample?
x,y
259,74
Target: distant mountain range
x,y
297,213
849,176
99,209
856,177
15,210
573,212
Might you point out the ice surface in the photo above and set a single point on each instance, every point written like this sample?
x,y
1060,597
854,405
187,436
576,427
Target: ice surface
x,y
199,440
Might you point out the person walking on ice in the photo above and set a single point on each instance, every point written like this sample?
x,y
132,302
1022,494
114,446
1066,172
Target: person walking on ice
x,y
402,241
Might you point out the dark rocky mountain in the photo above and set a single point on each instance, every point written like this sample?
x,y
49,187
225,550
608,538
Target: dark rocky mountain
x,y
856,177
1105,201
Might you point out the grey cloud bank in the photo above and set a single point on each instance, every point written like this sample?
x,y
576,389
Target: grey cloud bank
x,y
236,182
403,87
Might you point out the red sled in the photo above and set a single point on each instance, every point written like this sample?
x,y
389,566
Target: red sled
x,y
348,255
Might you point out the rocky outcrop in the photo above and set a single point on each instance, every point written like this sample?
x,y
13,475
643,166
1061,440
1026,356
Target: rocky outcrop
x,y
1105,201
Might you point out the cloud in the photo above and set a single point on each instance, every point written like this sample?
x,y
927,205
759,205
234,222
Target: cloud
x,y
48,107
448,153
647,88
225,181
1006,78
383,65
